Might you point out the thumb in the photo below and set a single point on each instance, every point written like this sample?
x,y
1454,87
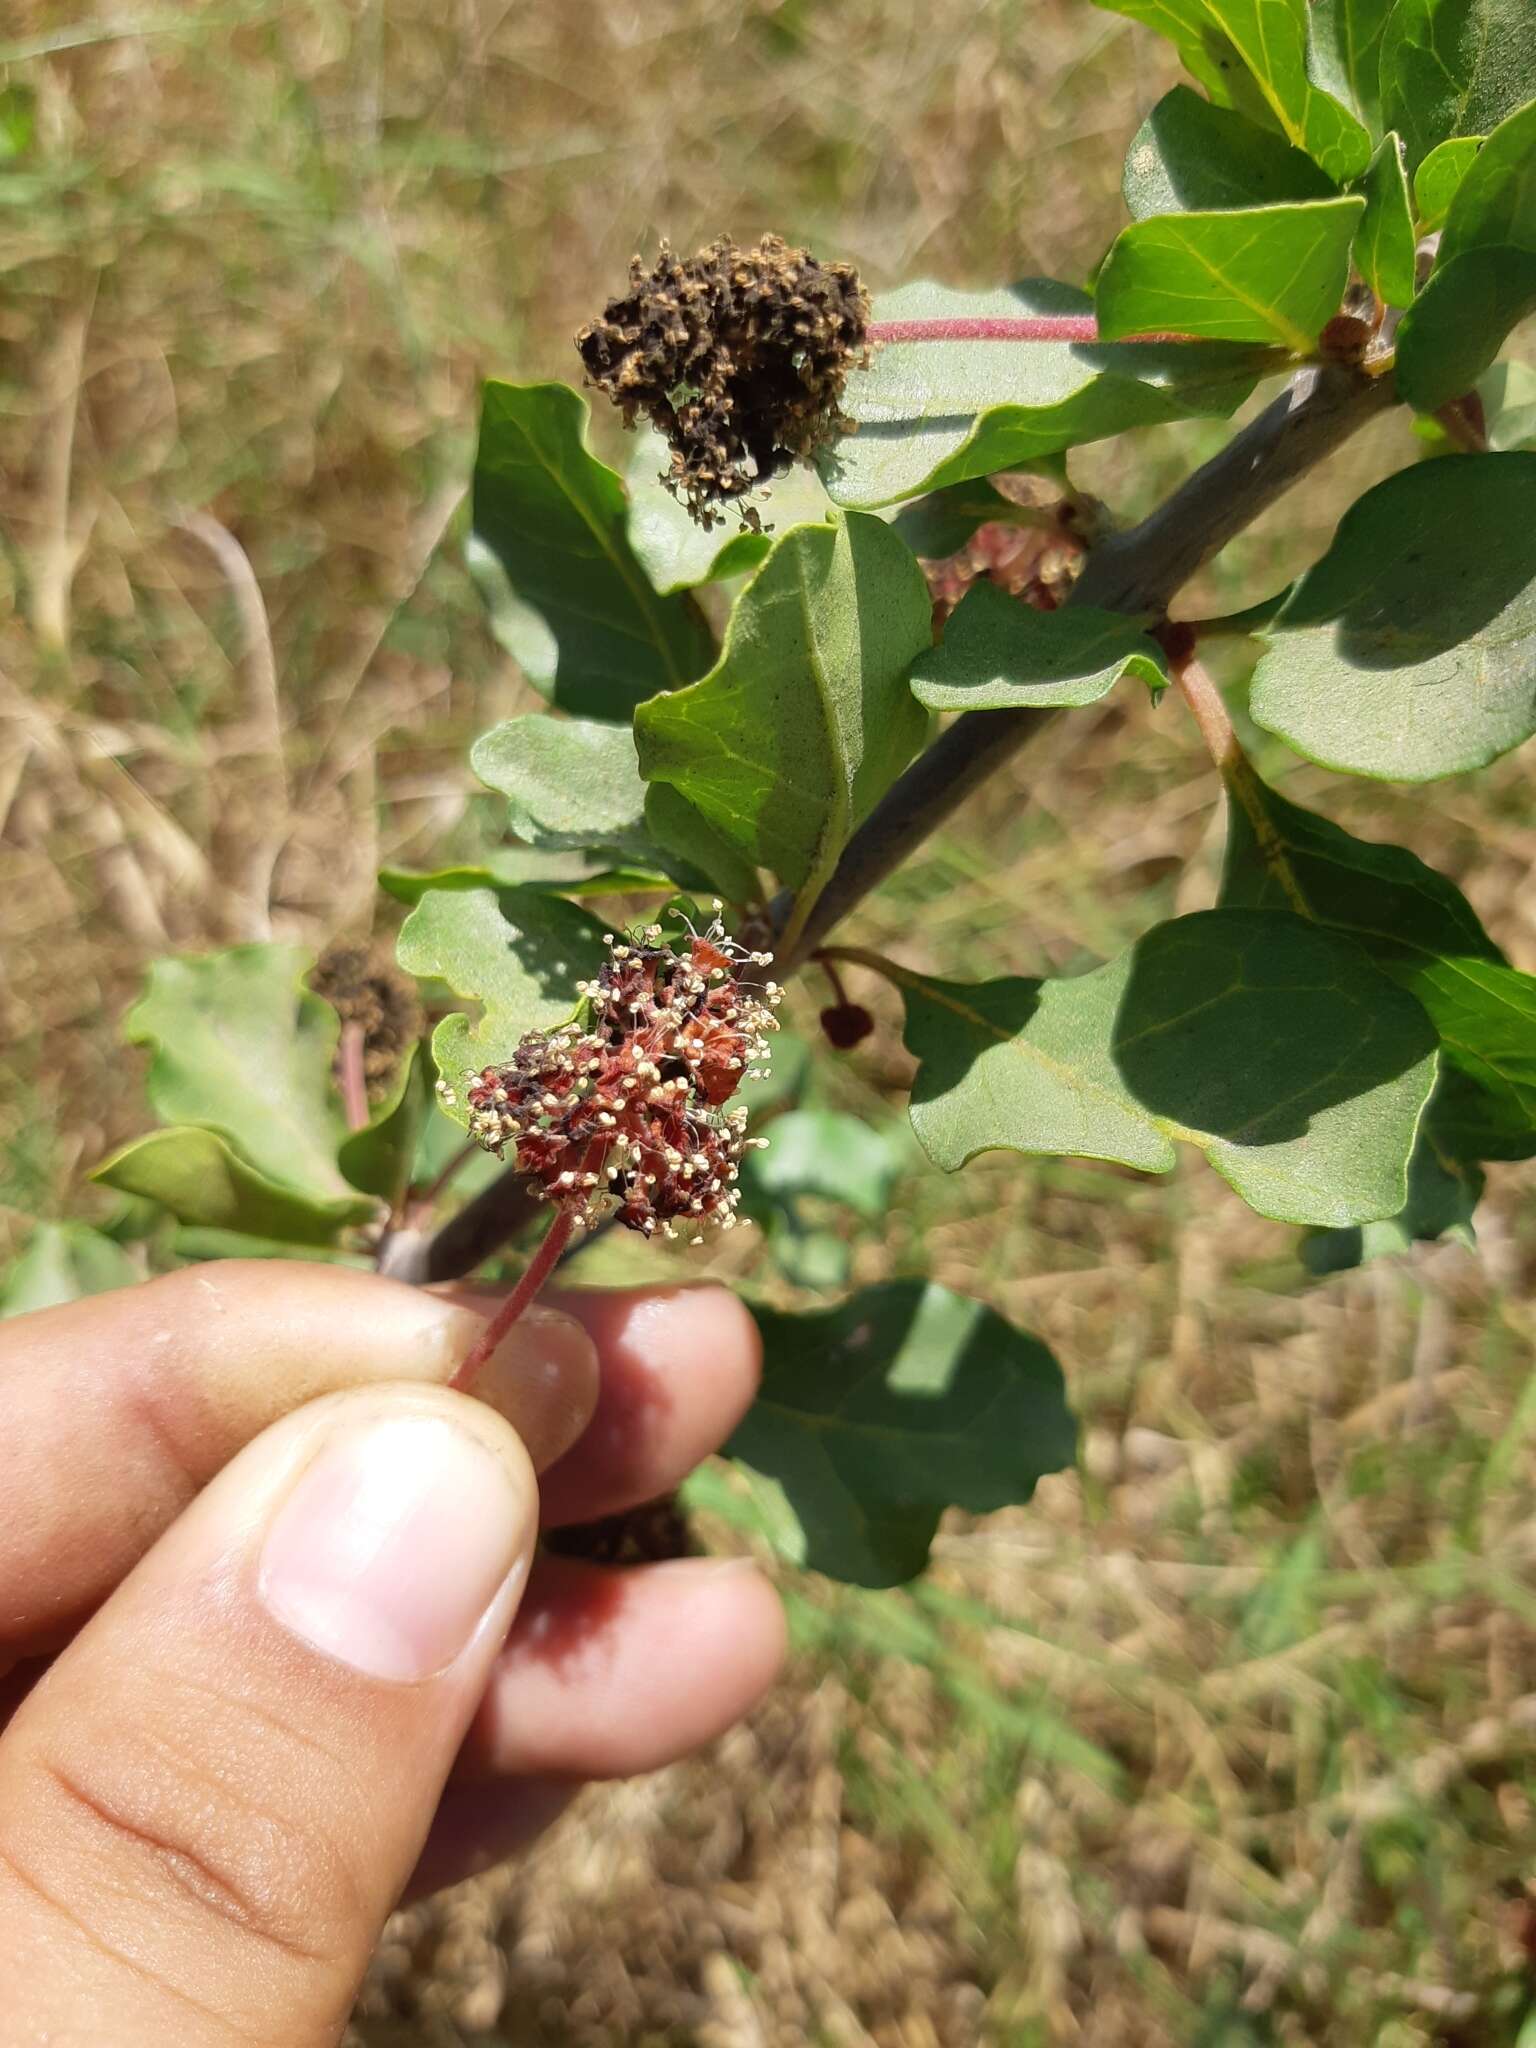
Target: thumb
x,y
213,1799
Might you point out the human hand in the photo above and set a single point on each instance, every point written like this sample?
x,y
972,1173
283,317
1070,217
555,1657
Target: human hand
x,y
258,1569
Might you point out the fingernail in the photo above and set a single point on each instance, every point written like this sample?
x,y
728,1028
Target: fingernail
x,y
394,1544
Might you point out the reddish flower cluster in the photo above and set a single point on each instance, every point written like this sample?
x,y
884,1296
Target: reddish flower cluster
x,y
627,1107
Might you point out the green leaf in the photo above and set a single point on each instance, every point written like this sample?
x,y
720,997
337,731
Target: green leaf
x,y
440,1144
517,952
502,867
1270,38
63,1262
201,1179
1455,67
1438,178
569,782
807,1256
1456,326
875,1416
998,653
1270,274
1273,1047
826,1153
576,783
243,1048
378,1158
1442,1196
1344,53
569,601
806,720
677,553
1495,202
1190,156
1384,242
1409,650
1508,394
1484,280
1418,928
690,844
1485,1013
943,522
931,413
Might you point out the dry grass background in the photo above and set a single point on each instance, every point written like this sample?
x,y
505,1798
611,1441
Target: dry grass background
x,y
1230,1737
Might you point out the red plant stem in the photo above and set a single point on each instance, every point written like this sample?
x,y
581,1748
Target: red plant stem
x,y
349,1072
839,993
532,1278
1211,714
1026,327
428,1198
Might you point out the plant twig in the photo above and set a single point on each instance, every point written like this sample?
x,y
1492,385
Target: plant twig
x,y
1019,327
349,1073
530,1280
1198,689
1136,572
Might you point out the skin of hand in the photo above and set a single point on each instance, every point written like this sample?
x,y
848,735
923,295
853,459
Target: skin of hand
x,y
276,1647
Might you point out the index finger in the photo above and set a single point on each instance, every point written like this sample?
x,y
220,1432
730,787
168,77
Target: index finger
x,y
120,1408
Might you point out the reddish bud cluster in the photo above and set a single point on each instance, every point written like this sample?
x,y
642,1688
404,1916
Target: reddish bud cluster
x,y
624,1113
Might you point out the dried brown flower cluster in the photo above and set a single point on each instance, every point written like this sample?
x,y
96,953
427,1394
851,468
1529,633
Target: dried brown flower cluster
x,y
737,356
367,989
624,1114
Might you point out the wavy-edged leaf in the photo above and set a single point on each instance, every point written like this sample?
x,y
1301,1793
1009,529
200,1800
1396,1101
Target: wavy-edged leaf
x,y
998,654
569,782
518,953
1273,1047
1344,53
1270,274
201,1179
931,413
679,554
1270,39
875,1416
1384,240
1421,930
1409,650
1191,156
568,598
1455,67
806,720
1438,179
378,1158
63,1262
1443,1194
575,783
243,1048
